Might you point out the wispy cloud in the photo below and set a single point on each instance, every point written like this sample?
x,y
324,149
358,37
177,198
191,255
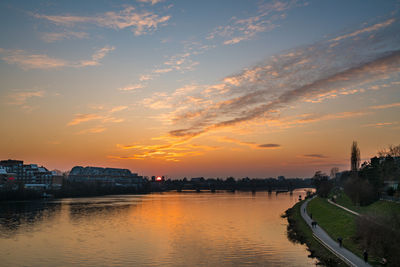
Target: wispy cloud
x,y
302,119
179,62
367,29
26,60
238,30
145,77
92,130
156,101
131,87
252,145
160,100
381,124
140,22
80,118
118,108
21,98
241,29
269,146
173,150
51,37
315,156
164,70
101,117
96,57
392,105
307,74
152,2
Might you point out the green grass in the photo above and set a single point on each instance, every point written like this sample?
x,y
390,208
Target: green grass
x,y
380,206
337,223
302,233
343,200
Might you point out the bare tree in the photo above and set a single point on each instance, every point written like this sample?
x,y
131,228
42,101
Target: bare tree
x,y
393,151
355,156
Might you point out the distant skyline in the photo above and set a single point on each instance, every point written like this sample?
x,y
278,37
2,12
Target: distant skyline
x,y
199,88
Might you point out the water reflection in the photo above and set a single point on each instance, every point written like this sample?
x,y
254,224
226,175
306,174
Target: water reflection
x,y
99,208
170,229
14,215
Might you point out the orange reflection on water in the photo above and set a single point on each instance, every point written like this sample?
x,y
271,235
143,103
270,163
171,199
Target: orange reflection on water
x,y
168,229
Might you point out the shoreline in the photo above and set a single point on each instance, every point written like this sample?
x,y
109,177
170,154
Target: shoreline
x,y
299,232
32,195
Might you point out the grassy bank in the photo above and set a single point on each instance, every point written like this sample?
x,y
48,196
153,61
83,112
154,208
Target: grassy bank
x,y
337,223
299,232
381,206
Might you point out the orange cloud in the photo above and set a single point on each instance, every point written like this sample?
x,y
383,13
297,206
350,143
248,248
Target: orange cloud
x,y
118,108
381,124
252,145
392,105
26,61
32,61
20,98
260,103
173,150
162,70
105,117
79,118
93,130
314,156
131,87
96,57
293,121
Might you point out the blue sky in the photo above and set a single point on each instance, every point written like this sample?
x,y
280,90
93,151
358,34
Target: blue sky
x,y
173,76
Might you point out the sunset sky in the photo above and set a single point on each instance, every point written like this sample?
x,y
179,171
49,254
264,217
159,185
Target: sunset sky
x,y
199,88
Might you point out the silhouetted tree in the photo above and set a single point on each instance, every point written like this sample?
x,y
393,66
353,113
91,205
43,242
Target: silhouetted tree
x,y
371,173
322,183
379,233
393,151
355,157
360,191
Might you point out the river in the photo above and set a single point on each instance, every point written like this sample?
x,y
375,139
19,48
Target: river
x,y
161,229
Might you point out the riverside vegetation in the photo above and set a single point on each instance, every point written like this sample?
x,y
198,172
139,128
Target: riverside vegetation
x,y
299,232
360,190
375,230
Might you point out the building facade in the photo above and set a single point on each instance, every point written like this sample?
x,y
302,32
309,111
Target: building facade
x,y
30,175
106,176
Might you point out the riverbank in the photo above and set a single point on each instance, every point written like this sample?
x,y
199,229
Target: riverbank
x,y
374,229
336,222
299,232
381,206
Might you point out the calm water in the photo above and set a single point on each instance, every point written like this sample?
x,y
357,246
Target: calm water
x,y
169,229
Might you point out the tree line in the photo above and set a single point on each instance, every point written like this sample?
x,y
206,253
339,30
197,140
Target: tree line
x,y
365,184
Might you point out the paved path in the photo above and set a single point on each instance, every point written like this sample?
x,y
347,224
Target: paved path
x,y
346,209
344,254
